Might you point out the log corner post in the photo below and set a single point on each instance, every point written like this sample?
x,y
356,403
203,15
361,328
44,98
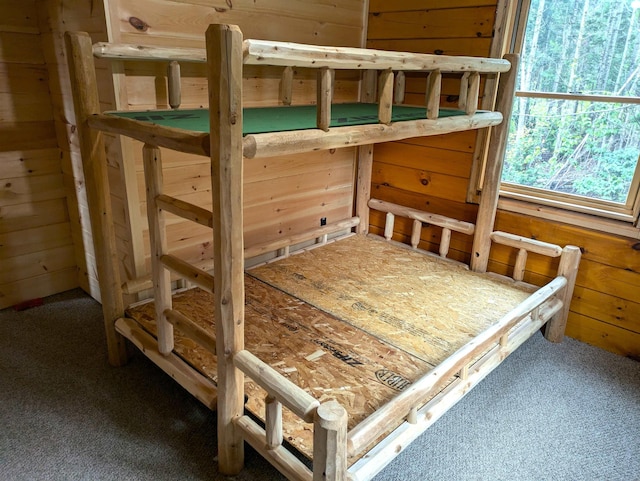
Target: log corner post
x,y
330,442
84,87
224,71
493,169
568,268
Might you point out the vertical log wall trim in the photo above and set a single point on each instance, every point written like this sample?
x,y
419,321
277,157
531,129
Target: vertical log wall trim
x,y
493,172
95,171
224,52
38,234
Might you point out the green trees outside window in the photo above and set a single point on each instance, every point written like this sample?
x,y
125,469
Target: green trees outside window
x,y
575,127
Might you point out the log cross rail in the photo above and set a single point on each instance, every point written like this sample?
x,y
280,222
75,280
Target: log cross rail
x,y
419,218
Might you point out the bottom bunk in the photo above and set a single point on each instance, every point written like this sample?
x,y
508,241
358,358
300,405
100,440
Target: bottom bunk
x,y
358,321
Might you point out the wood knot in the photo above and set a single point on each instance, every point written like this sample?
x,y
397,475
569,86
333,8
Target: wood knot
x,y
636,246
424,181
438,51
139,24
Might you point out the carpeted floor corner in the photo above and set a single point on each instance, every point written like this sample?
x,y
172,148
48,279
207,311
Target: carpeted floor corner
x,y
550,412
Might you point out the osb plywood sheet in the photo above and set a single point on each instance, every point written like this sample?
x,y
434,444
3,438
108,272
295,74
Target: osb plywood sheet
x,y
323,355
425,305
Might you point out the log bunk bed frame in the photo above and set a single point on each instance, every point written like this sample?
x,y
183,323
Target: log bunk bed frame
x,y
337,452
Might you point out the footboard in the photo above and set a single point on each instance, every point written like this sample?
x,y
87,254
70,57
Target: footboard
x,y
329,424
430,397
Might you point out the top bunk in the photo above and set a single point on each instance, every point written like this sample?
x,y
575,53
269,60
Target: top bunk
x,y
285,128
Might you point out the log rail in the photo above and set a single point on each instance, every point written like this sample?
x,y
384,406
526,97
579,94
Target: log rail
x,y
389,66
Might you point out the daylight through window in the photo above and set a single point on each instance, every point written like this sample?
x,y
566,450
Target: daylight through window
x,y
574,136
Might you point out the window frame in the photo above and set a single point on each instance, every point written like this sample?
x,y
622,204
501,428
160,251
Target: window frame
x,y
573,209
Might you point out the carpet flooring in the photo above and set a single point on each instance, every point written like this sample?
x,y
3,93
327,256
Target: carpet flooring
x,y
550,412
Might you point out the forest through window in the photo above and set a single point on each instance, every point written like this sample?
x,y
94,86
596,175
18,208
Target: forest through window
x,y
575,127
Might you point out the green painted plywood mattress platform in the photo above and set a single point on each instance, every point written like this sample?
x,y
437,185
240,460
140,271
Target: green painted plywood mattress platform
x,y
260,120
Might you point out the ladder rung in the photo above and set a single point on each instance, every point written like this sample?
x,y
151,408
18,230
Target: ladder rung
x,y
191,329
188,271
185,210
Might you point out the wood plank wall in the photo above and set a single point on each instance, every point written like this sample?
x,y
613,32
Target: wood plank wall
x,y
282,195
36,245
55,18
432,174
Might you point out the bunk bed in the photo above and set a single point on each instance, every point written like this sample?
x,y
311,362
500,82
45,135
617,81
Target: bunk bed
x,y
342,346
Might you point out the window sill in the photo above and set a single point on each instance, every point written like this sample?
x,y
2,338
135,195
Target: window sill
x,y
578,219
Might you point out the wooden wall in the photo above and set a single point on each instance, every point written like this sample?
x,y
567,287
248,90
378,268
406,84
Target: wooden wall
x,y
432,173
282,195
36,245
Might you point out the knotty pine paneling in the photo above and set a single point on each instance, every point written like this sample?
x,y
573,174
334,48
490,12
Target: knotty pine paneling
x,y
55,17
37,255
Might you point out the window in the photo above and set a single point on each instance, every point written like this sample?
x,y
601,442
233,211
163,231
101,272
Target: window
x,y
574,138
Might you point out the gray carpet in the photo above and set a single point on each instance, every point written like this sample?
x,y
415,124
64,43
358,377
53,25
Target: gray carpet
x,y
550,412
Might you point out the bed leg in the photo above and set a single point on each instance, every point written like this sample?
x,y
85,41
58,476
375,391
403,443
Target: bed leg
x,y
330,443
94,163
224,69
363,192
554,329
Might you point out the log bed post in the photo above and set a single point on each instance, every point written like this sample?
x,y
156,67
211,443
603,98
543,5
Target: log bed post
x,y
224,70
152,163
568,268
368,94
94,164
493,171
324,93
330,442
